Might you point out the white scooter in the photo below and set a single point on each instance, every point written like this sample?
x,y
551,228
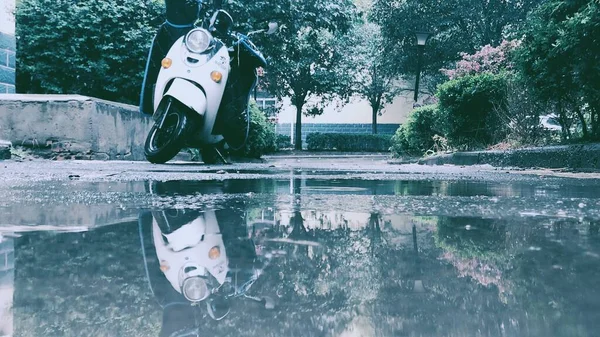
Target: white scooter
x,y
202,91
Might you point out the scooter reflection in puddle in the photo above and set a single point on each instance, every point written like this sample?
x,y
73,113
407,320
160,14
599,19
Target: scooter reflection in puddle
x,y
197,259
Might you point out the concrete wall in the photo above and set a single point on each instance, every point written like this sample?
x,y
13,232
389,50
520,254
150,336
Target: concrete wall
x,y
7,47
73,127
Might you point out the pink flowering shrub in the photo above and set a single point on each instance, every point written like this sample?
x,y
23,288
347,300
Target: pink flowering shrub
x,y
487,60
485,273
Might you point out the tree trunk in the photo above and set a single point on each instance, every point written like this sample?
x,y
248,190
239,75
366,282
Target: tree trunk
x,y
374,120
595,121
581,117
375,102
298,141
562,116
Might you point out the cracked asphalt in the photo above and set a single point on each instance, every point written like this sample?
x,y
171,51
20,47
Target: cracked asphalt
x,y
92,193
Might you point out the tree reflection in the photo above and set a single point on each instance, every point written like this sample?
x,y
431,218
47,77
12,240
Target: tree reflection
x,y
382,275
594,227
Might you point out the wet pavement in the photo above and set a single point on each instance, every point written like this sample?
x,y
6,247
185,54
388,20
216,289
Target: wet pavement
x,y
296,249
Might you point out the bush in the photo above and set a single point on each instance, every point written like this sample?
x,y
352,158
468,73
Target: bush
x,y
416,136
400,144
284,142
348,142
467,106
521,116
262,138
89,47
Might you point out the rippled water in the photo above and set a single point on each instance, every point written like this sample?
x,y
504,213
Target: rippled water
x,y
303,257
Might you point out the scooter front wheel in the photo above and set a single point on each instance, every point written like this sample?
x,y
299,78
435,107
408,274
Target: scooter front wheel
x,y
164,143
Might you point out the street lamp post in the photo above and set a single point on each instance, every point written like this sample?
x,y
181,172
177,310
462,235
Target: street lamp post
x,y
422,38
418,287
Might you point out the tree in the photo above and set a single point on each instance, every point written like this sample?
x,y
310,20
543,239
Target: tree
x,y
89,47
368,64
304,63
560,58
457,26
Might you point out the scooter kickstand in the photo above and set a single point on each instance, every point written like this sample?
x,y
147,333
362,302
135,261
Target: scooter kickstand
x,y
222,158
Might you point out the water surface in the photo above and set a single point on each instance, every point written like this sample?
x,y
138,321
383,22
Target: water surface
x,y
337,258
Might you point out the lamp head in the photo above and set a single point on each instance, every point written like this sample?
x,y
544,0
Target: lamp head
x,y
422,38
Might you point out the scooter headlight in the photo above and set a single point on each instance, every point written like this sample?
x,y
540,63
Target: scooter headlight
x,y
198,41
195,289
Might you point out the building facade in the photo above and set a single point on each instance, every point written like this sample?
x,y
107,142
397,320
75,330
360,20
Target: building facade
x,y
7,47
352,117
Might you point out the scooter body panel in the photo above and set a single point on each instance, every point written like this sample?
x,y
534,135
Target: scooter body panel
x,y
195,69
189,246
187,93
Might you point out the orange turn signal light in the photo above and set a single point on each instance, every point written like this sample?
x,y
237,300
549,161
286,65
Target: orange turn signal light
x,y
214,253
166,63
216,76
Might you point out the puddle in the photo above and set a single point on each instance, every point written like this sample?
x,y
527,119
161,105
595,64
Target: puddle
x,y
302,257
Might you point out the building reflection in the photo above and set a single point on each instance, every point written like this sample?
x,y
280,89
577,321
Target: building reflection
x,y
336,274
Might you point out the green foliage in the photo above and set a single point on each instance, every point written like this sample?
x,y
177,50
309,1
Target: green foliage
x,y
467,107
399,143
348,142
416,136
262,138
457,26
90,47
560,58
368,68
521,116
284,142
303,58
488,242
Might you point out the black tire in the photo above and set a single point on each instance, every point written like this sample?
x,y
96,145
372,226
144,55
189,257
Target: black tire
x,y
239,131
209,155
164,144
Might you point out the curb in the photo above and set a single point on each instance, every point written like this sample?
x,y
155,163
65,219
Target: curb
x,y
553,157
341,156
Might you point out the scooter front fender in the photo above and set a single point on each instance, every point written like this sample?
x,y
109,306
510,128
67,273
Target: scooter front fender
x,y
188,94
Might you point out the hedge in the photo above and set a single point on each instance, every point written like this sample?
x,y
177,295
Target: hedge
x,y
284,142
348,142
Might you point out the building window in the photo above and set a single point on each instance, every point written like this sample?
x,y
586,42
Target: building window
x,y
268,105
